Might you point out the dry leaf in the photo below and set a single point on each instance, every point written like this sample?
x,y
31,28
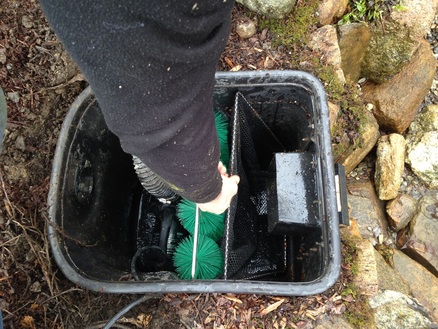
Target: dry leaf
x,y
272,307
27,322
310,316
144,319
229,62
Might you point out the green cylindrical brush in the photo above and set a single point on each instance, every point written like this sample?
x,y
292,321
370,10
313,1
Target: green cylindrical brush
x,y
210,225
209,260
221,122
198,256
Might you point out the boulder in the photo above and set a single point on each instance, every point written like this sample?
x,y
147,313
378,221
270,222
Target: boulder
x,y
353,43
400,211
394,310
422,146
422,283
390,165
388,278
366,278
396,102
325,40
354,154
423,158
417,15
270,8
367,209
329,10
373,273
418,240
390,48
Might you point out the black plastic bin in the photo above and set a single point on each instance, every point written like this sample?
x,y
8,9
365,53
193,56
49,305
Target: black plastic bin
x,y
95,197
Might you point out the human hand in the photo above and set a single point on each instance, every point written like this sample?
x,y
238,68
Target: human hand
x,y
223,200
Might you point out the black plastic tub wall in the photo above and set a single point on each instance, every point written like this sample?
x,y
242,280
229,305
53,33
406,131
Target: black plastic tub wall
x,y
94,193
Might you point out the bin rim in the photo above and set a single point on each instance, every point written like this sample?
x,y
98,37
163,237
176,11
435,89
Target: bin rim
x,y
319,285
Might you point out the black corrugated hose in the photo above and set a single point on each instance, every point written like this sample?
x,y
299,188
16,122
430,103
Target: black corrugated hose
x,y
153,183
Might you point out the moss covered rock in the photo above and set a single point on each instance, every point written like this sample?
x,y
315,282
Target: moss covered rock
x,y
390,48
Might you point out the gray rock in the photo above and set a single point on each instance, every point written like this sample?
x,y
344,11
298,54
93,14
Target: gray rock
x,y
424,122
353,42
419,240
328,10
388,278
422,283
423,158
20,143
246,30
270,8
325,40
394,310
400,211
333,322
374,274
389,165
26,22
366,278
422,146
354,154
418,16
396,102
390,48
367,209
13,96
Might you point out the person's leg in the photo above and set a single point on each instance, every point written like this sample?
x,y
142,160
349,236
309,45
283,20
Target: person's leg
x,y
151,65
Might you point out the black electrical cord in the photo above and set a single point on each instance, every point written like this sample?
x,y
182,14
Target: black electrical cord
x,y
126,309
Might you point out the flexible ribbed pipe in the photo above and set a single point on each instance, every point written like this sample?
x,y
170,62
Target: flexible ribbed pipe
x,y
152,182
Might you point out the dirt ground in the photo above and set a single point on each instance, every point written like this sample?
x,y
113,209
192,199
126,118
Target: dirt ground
x,y
41,82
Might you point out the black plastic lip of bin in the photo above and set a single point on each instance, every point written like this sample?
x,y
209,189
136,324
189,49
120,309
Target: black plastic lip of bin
x,y
330,220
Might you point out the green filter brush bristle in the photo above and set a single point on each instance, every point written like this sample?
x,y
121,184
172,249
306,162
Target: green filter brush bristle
x,y
209,228
209,259
221,122
210,225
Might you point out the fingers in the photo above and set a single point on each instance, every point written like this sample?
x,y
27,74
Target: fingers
x,y
222,169
235,178
223,200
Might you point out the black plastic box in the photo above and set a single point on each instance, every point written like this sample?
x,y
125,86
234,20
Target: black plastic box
x,y
94,193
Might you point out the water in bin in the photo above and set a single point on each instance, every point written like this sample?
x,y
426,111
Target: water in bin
x,y
115,230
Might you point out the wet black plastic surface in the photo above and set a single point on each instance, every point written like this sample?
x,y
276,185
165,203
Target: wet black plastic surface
x,y
293,193
94,199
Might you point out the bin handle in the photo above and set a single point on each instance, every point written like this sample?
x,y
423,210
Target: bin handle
x,y
341,194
